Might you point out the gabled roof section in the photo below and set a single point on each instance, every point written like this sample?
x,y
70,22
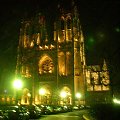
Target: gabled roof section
x,y
94,68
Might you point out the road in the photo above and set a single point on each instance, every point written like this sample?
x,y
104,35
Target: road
x,y
75,115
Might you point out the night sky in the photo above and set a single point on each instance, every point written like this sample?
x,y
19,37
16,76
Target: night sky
x,y
100,23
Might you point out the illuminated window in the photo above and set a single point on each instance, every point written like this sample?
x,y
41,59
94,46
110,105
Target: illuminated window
x,y
64,63
65,95
61,63
55,35
28,71
76,64
61,36
25,41
25,71
46,65
68,35
32,43
38,39
68,63
97,81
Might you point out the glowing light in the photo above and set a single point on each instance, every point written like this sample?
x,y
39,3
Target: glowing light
x,y
78,95
117,29
58,39
116,101
40,47
52,46
63,94
42,91
76,39
46,47
29,95
17,84
32,44
50,71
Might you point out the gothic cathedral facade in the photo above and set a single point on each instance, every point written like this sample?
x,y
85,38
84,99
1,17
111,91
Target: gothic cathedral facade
x,y
54,70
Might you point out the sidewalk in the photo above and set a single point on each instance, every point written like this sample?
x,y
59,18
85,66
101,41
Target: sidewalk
x,y
88,117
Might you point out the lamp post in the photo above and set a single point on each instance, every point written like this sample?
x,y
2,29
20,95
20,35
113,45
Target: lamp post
x,y
17,84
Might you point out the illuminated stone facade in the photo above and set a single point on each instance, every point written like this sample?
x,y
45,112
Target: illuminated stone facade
x,y
98,84
54,70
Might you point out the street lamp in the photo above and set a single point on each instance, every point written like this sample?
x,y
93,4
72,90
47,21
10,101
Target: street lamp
x,y
116,101
63,94
17,85
78,96
42,93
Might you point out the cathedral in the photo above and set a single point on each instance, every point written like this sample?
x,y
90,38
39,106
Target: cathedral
x,y
53,69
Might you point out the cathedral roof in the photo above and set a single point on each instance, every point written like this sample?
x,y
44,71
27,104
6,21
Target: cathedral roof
x,y
94,68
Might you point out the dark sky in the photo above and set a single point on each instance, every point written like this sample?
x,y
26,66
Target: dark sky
x,y
100,23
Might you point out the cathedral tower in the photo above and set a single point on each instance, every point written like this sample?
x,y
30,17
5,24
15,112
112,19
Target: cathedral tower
x,y
53,70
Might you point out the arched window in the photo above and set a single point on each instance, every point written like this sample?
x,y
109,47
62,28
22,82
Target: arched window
x,y
45,93
61,63
46,65
62,23
76,57
61,35
65,95
68,30
26,96
68,63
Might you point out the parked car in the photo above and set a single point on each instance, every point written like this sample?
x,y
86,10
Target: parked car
x,y
35,111
58,109
23,112
15,113
2,116
47,109
43,109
